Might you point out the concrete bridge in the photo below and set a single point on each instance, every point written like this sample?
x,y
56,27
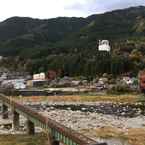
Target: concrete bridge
x,y
57,133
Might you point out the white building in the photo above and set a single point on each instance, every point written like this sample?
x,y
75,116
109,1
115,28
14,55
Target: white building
x,y
128,80
40,76
104,46
1,57
15,83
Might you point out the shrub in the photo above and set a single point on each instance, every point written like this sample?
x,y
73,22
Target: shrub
x,y
119,88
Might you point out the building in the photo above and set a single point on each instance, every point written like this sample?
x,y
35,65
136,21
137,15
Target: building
x,y
53,74
104,46
40,76
15,83
37,83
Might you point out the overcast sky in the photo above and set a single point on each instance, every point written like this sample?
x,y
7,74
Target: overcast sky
x,y
54,8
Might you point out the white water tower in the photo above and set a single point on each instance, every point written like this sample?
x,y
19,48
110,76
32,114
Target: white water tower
x,y
104,45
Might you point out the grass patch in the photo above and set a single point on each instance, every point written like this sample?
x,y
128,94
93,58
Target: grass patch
x,y
141,98
38,139
112,98
136,136
108,132
127,98
132,136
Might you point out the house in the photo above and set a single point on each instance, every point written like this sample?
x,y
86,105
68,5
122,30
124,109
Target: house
x,y
76,83
102,83
40,76
37,83
128,80
52,74
1,57
65,81
19,85
14,83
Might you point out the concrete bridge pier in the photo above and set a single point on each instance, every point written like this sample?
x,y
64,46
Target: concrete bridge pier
x,y
30,127
16,120
4,111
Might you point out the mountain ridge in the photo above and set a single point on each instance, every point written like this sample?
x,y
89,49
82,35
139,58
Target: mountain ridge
x,y
70,44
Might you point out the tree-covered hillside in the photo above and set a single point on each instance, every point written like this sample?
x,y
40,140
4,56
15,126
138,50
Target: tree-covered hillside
x,y
70,44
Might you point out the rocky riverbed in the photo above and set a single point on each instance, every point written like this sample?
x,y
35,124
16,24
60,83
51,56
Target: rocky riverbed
x,y
89,116
90,120
94,115
115,109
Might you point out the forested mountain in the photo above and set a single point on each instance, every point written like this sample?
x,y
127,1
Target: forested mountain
x,y
20,34
70,44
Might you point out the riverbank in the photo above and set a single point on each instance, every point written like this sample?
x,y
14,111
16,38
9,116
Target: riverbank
x,y
125,98
17,139
117,119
